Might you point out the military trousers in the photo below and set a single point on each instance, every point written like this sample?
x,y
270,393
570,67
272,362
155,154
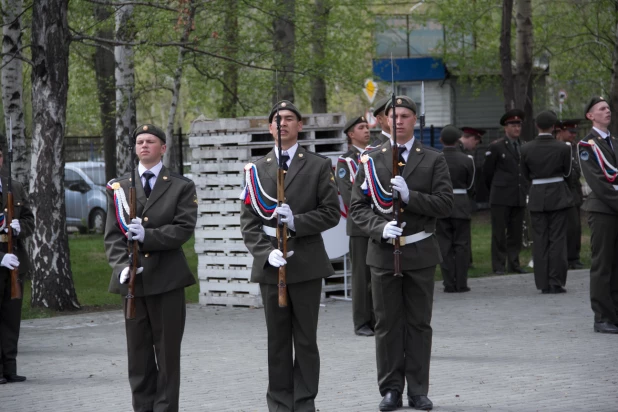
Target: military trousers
x,y
506,236
454,239
549,248
293,356
403,308
10,323
154,338
604,266
574,234
362,303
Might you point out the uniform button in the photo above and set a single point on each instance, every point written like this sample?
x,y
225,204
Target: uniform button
x,y
146,254
401,210
146,219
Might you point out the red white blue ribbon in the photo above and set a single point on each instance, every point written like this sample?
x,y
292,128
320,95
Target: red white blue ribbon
x,y
382,199
253,194
121,205
608,169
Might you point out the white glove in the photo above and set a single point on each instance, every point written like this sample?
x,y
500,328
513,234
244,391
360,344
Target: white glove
x,y
400,185
10,261
276,258
124,275
391,230
286,215
136,230
16,226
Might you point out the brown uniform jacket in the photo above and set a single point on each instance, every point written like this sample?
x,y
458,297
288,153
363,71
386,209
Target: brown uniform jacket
x,y
342,176
503,175
461,170
311,193
21,211
431,197
603,197
169,216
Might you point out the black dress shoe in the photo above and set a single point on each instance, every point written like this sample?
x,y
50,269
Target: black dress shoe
x,y
391,401
420,402
545,291
464,289
576,265
3,381
449,289
518,270
14,378
605,327
556,289
364,331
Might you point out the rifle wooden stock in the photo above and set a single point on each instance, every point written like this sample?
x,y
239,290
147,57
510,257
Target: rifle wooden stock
x,y
16,292
133,256
282,241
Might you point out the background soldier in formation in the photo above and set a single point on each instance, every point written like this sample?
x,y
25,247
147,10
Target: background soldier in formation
x,y
507,196
357,132
378,112
10,309
567,133
598,153
311,207
403,305
167,207
546,163
454,232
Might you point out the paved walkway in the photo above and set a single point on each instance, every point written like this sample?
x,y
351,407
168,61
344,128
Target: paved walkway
x,y
501,347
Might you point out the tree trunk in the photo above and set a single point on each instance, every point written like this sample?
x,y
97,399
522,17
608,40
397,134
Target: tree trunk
x,y
613,90
229,97
125,88
170,159
318,83
13,89
523,84
506,57
106,89
52,279
284,38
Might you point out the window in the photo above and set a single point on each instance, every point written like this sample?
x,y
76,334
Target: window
x,y
401,36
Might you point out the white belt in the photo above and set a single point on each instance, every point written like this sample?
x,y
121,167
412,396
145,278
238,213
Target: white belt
x,y
460,191
406,240
546,180
615,187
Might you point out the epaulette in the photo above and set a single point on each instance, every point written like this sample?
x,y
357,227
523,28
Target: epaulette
x,y
496,141
370,149
117,180
179,176
432,148
317,154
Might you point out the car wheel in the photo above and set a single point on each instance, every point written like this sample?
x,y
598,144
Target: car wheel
x,y
97,221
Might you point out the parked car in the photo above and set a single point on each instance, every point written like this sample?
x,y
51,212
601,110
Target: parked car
x,y
84,194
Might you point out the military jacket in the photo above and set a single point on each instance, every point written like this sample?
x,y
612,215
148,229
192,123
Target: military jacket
x,y
503,174
431,197
603,197
311,193
22,212
462,171
344,182
574,179
169,217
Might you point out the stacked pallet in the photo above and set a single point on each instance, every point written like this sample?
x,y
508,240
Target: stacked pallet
x,y
221,148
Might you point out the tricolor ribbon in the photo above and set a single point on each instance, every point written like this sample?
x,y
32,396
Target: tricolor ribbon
x,y
382,200
253,194
608,169
121,205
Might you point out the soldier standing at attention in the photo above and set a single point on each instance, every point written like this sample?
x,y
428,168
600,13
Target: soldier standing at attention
x,y
311,207
453,232
598,154
567,133
402,304
507,196
167,206
546,163
357,132
378,112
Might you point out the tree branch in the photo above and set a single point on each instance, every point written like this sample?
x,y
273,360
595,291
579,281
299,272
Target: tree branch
x,y
133,3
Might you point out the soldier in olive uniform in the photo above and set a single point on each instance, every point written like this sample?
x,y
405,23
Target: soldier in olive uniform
x,y
311,207
567,133
10,309
357,131
378,112
546,163
453,232
167,214
598,154
507,196
402,304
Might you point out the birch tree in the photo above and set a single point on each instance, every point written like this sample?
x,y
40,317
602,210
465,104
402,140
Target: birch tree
x,y
284,39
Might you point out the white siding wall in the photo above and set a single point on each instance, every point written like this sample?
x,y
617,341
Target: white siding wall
x,y
437,100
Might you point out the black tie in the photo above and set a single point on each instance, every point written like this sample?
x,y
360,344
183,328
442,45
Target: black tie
x,y
284,159
516,145
402,161
609,141
147,189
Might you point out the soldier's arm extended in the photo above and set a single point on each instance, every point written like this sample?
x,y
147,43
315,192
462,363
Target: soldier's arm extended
x,y
595,178
438,203
361,212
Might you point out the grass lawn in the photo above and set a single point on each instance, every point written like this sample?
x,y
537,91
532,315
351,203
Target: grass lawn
x,y
91,273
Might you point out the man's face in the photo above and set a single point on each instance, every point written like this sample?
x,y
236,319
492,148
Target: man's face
x,y
290,127
383,122
149,148
513,130
405,120
359,135
566,135
600,114
469,142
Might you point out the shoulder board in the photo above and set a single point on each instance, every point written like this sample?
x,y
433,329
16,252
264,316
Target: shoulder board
x,y
497,141
372,150
179,176
316,154
433,149
117,180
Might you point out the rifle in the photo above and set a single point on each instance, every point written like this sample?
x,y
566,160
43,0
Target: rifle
x,y
422,117
396,197
282,239
131,244
16,292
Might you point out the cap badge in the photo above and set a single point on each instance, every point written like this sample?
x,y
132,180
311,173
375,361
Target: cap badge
x,y
145,128
363,118
398,101
283,104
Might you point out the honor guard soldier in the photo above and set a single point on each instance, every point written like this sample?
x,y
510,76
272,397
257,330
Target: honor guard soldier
x,y
378,112
598,154
507,195
403,303
454,231
357,132
166,205
22,226
547,163
566,131
470,139
311,207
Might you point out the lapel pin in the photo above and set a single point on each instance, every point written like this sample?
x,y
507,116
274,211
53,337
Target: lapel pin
x,y
418,149
384,150
164,177
300,155
268,159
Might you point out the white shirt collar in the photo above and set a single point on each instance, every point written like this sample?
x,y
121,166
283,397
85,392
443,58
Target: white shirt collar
x,y
601,132
408,145
386,134
156,169
359,149
546,134
291,152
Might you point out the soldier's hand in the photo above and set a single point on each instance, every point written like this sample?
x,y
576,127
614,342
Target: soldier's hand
x,y
16,226
400,185
10,261
137,230
276,258
391,230
124,275
286,215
